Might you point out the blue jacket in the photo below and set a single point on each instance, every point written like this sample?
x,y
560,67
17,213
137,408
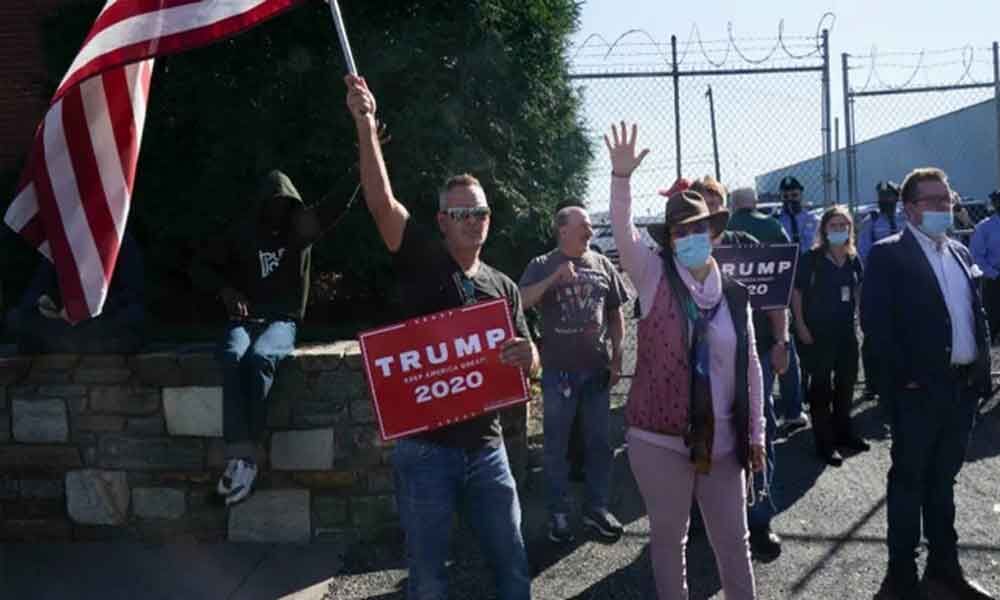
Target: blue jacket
x,y
904,316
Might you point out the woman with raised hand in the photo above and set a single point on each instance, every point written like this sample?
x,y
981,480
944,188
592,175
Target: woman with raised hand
x,y
695,413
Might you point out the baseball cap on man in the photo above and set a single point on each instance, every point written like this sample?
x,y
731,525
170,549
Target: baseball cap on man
x,y
789,183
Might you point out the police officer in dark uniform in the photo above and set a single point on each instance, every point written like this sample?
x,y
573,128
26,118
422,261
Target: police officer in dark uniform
x,y
886,220
799,225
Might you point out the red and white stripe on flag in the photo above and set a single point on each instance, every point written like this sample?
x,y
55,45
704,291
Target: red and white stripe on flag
x,y
74,195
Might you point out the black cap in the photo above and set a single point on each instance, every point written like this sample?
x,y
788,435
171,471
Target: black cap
x,y
789,183
887,188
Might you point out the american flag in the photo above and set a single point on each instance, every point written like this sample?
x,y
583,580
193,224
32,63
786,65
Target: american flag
x,y
73,198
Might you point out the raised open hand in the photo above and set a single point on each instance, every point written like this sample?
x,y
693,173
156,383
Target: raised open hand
x,y
622,152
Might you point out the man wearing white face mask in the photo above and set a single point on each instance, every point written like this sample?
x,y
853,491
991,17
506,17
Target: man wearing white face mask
x,y
922,311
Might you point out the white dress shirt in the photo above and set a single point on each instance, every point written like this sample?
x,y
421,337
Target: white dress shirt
x,y
955,289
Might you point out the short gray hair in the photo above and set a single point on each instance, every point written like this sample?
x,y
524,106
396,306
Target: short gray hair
x,y
463,180
744,197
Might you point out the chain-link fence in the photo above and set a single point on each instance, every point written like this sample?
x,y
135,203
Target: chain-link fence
x,y
736,108
747,111
911,109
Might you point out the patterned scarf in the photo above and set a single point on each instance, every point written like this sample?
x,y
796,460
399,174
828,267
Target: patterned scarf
x,y
701,306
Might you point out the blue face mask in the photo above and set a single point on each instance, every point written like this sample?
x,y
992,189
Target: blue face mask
x,y
837,238
693,251
936,223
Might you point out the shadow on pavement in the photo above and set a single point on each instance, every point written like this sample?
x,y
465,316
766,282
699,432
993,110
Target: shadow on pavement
x,y
985,441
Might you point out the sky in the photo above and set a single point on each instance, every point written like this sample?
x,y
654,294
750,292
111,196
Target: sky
x,y
765,123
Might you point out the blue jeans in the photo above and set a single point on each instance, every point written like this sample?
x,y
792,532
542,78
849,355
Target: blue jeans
x,y
760,514
249,355
432,483
791,384
590,394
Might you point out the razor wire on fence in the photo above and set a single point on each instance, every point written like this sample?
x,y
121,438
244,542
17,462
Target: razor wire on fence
x,y
746,110
740,109
912,109
751,111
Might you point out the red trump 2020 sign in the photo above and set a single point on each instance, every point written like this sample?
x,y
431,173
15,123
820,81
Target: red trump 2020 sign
x,y
440,369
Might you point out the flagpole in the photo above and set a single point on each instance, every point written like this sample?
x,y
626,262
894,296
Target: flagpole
x,y
345,45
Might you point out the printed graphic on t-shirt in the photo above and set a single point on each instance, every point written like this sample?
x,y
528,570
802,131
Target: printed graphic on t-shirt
x,y
270,261
581,303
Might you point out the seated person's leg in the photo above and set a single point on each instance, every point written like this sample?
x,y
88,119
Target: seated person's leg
x,y
235,422
274,343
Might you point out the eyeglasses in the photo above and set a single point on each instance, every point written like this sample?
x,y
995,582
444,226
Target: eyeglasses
x,y
679,231
944,202
461,213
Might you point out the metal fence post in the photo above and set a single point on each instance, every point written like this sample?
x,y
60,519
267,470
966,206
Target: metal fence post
x,y
848,137
996,102
715,136
836,159
677,102
827,141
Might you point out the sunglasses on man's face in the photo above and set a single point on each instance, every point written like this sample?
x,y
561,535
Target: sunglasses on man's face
x,y
461,213
791,195
681,231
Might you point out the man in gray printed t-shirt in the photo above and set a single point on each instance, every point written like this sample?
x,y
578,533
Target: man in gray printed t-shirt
x,y
580,294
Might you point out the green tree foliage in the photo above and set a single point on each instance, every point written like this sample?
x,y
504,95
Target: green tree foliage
x,y
464,86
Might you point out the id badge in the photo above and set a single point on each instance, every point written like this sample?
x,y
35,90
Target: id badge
x,y
845,293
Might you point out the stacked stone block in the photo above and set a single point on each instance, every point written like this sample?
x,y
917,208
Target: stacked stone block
x,y
102,447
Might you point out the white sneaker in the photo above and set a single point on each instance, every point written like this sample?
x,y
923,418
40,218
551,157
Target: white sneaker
x,y
242,481
225,484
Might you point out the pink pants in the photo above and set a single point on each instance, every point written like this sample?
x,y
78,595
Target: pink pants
x,y
668,482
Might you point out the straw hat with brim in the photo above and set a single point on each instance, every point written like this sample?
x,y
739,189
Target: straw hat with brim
x,y
687,207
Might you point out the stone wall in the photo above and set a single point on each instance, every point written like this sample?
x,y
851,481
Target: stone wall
x,y
129,447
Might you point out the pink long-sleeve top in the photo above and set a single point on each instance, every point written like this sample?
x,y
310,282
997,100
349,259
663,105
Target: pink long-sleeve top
x,y
655,413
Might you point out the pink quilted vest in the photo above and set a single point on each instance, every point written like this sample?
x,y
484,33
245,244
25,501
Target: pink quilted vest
x,y
659,398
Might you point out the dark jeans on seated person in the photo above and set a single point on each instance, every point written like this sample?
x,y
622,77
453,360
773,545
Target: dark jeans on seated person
x,y
249,354
116,331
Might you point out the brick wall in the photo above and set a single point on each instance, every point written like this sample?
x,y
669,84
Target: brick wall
x,y
115,447
23,90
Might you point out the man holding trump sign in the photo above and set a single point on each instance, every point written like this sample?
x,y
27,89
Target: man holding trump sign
x,y
460,467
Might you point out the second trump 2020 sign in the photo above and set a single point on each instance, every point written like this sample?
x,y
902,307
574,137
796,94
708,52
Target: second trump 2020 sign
x,y
440,369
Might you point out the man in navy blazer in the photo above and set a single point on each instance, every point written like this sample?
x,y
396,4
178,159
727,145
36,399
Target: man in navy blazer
x,y
922,312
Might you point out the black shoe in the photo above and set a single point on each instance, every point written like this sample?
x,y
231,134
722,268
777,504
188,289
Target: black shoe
x,y
603,523
559,529
765,545
854,443
831,457
891,590
956,586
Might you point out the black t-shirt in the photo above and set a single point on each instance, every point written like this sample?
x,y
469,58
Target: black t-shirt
x,y
431,281
828,291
